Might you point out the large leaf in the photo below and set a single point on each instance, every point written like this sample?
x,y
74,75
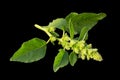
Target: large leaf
x,y
84,20
30,51
61,60
88,20
59,23
72,58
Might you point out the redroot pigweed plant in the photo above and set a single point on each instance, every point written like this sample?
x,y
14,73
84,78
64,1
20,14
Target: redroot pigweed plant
x,y
75,29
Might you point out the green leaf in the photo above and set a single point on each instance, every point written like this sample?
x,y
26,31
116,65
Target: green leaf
x,y
101,16
86,20
71,29
72,15
70,18
59,23
61,60
84,33
30,51
72,58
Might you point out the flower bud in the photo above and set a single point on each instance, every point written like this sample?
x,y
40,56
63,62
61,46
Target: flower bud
x,y
52,38
96,56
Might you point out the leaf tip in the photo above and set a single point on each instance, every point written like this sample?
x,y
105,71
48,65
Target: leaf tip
x,y
72,64
11,59
101,15
55,69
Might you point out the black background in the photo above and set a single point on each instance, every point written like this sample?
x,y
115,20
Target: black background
x,y
18,19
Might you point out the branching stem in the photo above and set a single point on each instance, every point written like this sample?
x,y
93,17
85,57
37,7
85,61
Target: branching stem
x,y
43,29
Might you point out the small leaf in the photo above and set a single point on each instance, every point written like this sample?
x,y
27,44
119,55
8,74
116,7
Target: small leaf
x,y
72,58
61,60
30,51
59,23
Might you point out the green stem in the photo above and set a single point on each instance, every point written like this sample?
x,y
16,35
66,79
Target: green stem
x,y
43,29
48,40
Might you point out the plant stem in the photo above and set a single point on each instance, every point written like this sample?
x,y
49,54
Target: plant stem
x,y
43,29
48,40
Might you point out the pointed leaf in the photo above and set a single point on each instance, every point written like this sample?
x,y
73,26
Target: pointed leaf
x,y
59,23
86,20
100,16
72,58
30,51
61,60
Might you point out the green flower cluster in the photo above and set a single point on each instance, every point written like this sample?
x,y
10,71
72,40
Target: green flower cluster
x,y
79,47
84,50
